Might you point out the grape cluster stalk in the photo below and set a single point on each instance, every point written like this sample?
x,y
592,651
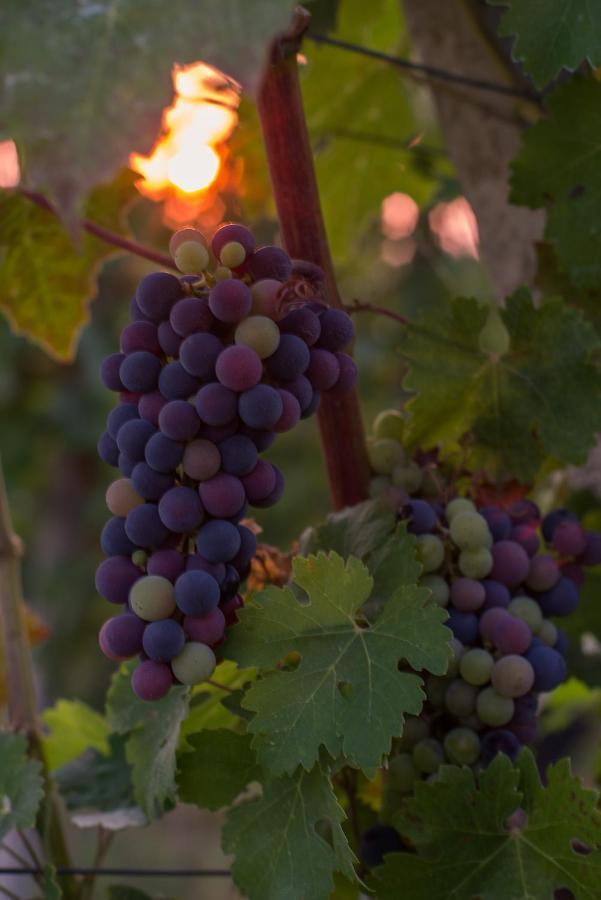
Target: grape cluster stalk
x,y
213,365
504,575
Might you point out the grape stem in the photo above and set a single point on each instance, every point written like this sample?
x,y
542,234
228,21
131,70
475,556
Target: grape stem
x,y
105,234
22,710
296,195
357,307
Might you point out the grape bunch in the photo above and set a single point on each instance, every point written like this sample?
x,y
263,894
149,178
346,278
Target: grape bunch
x,y
504,575
211,367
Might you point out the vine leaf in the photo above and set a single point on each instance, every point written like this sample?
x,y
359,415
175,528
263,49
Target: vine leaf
x,y
152,731
126,892
551,35
279,852
74,726
501,837
542,398
49,885
569,182
347,693
354,531
104,73
21,786
209,704
97,788
219,767
46,282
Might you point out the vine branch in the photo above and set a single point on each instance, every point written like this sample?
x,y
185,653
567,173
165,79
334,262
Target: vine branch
x,y
357,306
294,183
105,234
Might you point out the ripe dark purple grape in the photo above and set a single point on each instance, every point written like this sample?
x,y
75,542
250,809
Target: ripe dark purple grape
x,y
198,354
163,640
151,680
421,516
196,592
259,483
163,454
114,539
196,561
179,420
464,626
144,527
157,293
167,563
232,232
110,372
301,388
230,301
290,360
216,405
218,541
121,637
323,370
191,314
239,368
107,449
208,629
467,594
169,339
222,495
348,375
561,600
498,520
260,407
269,262
175,383
133,437
115,576
140,371
549,667
140,336
238,455
291,412
510,563
336,330
150,484
499,740
180,510
119,415
303,323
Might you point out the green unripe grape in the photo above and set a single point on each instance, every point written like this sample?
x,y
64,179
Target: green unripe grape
x,y
430,552
384,455
139,558
439,587
475,563
456,506
512,676
456,651
389,424
428,756
191,257
414,729
152,598
378,486
462,746
469,530
232,254
548,633
494,339
121,497
402,773
460,698
407,476
528,610
493,709
195,664
436,690
189,233
222,273
476,665
260,333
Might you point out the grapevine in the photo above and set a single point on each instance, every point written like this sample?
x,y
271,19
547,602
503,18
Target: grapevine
x,y
211,368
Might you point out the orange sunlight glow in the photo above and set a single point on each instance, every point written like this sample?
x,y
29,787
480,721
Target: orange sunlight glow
x,y
187,159
10,173
455,228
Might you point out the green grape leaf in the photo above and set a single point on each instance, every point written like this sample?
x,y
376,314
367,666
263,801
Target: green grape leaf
x,y
541,399
21,786
393,563
153,738
98,788
358,114
73,727
559,166
209,706
49,885
81,88
354,531
551,35
46,281
219,767
500,836
279,854
347,693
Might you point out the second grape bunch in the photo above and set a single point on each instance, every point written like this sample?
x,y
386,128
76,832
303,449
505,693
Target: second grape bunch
x,y
212,366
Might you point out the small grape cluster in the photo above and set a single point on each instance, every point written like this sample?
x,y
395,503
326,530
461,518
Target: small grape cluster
x,y
503,574
212,366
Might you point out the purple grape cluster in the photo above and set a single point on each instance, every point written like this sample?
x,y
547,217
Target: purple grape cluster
x,y
212,366
503,575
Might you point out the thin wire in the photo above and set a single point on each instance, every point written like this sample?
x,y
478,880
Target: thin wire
x,y
384,140
400,62
126,873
